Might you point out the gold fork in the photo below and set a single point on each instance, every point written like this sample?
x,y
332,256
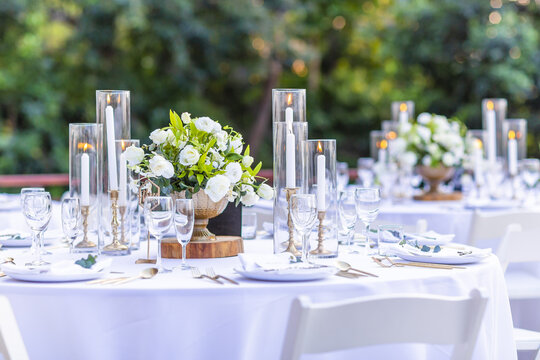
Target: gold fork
x,y
105,281
210,272
197,275
428,265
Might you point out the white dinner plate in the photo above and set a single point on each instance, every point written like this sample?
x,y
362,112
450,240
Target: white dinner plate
x,y
48,238
52,277
448,255
59,272
284,275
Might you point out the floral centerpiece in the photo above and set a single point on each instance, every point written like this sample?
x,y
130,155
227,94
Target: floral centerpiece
x,y
198,158
434,143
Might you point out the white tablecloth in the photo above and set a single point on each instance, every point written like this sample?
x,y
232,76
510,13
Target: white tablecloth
x,y
174,316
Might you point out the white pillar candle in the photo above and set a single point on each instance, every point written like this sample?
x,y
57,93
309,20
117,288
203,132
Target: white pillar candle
x,y
512,153
111,148
403,117
321,183
492,136
290,151
382,156
478,159
122,191
85,179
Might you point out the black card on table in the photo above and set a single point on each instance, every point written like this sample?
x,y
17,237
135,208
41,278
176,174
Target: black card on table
x,y
228,223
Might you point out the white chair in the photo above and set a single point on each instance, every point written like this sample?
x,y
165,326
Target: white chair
x,y
378,320
518,247
11,343
492,226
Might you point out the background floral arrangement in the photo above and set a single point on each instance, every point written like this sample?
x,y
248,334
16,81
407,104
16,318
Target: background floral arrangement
x,y
433,140
199,154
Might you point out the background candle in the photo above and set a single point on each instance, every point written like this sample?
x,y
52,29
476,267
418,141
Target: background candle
x,y
478,159
111,149
321,183
85,179
403,114
492,133
290,150
122,191
382,151
512,153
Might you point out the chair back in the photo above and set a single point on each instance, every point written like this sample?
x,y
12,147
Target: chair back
x,y
429,319
489,226
11,343
519,246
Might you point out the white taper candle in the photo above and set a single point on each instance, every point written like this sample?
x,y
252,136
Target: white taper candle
x,y
321,183
111,148
85,179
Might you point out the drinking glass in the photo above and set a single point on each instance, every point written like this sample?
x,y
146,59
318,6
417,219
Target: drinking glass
x,y
347,214
25,191
342,175
159,216
37,213
367,209
184,218
530,171
71,217
249,225
364,168
388,235
304,215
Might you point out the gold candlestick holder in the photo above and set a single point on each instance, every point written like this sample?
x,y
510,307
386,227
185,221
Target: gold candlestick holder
x,y
145,191
116,247
85,244
289,192
320,250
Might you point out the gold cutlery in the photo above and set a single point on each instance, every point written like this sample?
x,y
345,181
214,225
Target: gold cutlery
x,y
8,260
345,267
2,274
210,272
147,273
197,275
349,275
105,281
415,264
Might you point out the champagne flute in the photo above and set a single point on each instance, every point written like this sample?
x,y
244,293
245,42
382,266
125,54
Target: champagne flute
x,y
37,212
304,216
71,217
184,218
347,214
159,214
367,209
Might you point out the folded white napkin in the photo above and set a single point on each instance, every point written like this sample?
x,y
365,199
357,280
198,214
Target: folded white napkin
x,y
252,262
65,267
429,238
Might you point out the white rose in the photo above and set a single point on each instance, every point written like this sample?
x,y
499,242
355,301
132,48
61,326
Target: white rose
x,y
217,187
250,198
247,161
171,139
189,156
408,159
424,133
217,128
448,159
205,124
433,150
237,145
221,140
134,155
234,172
161,167
186,117
158,136
265,191
426,160
424,118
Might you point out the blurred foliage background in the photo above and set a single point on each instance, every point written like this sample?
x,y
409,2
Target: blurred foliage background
x,y
221,58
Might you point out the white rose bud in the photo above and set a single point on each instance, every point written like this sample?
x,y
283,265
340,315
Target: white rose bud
x,y
247,161
237,145
189,156
221,140
217,187
234,172
266,192
134,155
250,198
161,167
171,139
158,136
186,117
205,124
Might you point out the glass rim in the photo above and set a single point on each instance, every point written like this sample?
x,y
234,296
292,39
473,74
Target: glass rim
x,y
112,91
298,90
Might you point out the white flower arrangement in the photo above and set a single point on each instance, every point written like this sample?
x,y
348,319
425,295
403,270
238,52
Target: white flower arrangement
x,y
199,154
433,140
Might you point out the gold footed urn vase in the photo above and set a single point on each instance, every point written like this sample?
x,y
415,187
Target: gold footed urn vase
x,y
435,176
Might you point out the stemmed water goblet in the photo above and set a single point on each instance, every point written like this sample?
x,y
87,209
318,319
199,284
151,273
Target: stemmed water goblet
x,y
304,216
530,172
342,175
364,168
347,214
37,212
23,193
367,208
71,217
159,215
184,218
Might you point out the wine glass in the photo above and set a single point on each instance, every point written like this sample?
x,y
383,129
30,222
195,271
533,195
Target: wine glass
x,y
184,218
347,214
342,175
25,191
364,168
304,215
71,216
159,214
37,212
530,171
367,209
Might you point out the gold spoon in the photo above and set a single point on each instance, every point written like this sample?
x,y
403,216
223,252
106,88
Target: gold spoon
x,y
147,273
343,266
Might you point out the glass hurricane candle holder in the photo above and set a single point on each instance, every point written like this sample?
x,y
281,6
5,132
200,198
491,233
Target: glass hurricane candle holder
x,y
403,111
320,172
85,182
378,146
515,143
494,112
113,111
290,129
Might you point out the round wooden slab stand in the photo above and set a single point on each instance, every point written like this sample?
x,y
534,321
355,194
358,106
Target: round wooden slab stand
x,y
223,246
439,196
